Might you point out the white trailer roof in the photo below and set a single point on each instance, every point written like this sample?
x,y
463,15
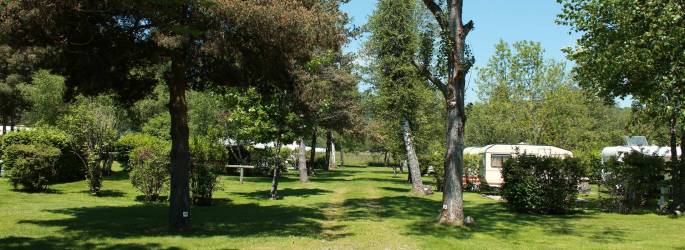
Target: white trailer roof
x,y
539,150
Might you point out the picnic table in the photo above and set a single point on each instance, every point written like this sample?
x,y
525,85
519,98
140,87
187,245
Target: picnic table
x,y
242,170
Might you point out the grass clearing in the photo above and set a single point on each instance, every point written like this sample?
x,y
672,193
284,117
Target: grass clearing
x,y
352,207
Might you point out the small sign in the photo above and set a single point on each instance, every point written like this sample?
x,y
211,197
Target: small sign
x,y
185,214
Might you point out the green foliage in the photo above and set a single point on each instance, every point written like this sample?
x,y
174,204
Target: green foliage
x,y
126,143
207,159
92,124
527,98
634,180
45,95
69,166
30,165
159,126
473,165
204,181
150,172
541,184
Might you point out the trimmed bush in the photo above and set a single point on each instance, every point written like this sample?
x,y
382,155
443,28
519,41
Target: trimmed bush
x,y
126,143
150,171
206,160
68,166
30,166
541,184
633,181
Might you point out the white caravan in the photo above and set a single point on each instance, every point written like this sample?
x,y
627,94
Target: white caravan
x,y
495,155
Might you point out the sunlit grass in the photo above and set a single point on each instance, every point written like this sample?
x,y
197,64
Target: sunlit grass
x,y
352,207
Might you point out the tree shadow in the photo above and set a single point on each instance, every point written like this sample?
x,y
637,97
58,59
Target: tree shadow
x,y
300,192
492,218
107,193
45,191
48,243
399,190
144,220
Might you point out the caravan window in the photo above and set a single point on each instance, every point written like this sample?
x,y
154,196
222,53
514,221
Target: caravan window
x,y
497,161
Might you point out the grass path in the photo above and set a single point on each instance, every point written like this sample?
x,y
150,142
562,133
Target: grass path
x,y
348,208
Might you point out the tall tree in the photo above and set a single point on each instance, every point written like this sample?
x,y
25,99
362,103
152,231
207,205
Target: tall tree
x,y
459,61
634,48
524,97
394,43
111,44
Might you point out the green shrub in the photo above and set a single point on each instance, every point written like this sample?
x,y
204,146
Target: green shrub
x,y
30,165
203,182
150,170
206,160
541,184
125,145
68,166
634,180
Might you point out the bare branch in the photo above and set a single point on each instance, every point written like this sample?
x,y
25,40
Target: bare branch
x,y
423,70
468,27
437,13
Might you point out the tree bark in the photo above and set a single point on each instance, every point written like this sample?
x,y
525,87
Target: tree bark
x,y
312,153
678,175
332,163
675,175
179,197
342,156
12,122
276,174
452,200
414,170
302,161
329,143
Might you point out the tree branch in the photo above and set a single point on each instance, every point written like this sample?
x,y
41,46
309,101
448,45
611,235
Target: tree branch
x,y
423,70
468,27
437,13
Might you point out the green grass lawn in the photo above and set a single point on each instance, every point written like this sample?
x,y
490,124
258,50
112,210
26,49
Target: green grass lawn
x,y
353,207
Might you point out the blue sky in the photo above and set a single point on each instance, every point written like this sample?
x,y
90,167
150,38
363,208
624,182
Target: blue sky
x,y
508,20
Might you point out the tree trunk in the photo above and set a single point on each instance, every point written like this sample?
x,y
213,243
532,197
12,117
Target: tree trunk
x,y
312,153
332,163
4,126
452,200
414,170
276,174
342,156
12,122
302,160
679,175
329,143
179,197
675,173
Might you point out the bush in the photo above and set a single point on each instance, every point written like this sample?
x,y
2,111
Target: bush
x,y
206,159
30,165
203,182
150,170
68,166
125,145
634,180
541,184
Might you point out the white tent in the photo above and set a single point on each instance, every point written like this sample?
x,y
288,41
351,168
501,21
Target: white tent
x,y
495,155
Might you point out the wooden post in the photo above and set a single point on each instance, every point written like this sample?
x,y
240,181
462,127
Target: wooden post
x,y
241,175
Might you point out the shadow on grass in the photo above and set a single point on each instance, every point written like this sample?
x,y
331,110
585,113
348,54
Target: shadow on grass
x,y
45,191
222,219
106,193
300,192
48,243
492,219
